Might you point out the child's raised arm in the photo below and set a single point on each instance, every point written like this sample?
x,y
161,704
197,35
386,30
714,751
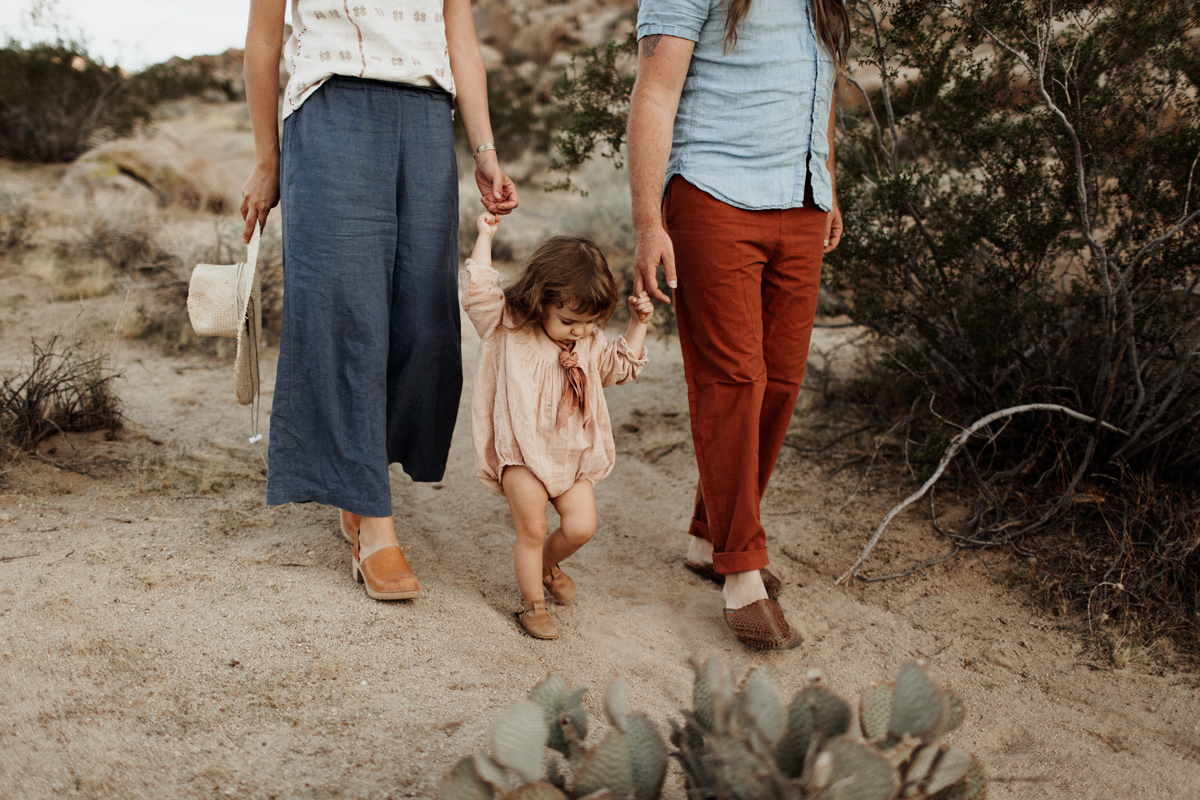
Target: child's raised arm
x,y
487,224
640,311
622,360
482,297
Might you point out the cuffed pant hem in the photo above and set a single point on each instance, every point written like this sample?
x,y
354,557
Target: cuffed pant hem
x,y
725,563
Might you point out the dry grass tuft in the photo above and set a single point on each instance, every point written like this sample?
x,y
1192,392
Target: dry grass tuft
x,y
64,390
197,473
1130,562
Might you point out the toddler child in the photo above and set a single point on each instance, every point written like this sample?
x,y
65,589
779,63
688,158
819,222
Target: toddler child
x,y
540,423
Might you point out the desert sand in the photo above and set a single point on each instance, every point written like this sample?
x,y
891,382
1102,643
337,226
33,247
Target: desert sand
x,y
164,634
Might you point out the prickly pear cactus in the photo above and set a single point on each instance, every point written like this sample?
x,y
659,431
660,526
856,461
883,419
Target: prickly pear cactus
x,y
739,742
744,744
630,762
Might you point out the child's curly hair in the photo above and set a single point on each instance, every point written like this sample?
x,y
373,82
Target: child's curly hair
x,y
566,270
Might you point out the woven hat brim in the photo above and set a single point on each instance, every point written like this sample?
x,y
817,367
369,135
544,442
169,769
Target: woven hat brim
x,y
245,365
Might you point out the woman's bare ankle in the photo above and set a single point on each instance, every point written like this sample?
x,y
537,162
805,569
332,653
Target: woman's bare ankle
x,y
375,533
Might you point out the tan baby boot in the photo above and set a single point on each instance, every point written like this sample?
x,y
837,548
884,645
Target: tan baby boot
x,y
558,584
536,621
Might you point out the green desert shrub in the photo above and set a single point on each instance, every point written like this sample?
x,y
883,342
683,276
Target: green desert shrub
x,y
55,100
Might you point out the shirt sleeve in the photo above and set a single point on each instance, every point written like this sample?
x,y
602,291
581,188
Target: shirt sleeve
x,y
617,362
482,297
682,18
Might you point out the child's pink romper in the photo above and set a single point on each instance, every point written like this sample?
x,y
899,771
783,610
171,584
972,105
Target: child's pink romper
x,y
518,384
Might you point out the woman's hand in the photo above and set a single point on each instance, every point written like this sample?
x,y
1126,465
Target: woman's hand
x,y
496,190
260,194
641,307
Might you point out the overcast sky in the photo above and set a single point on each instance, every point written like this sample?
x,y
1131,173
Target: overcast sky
x,y
138,33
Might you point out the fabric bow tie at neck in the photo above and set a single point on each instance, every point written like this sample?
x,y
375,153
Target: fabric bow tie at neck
x,y
574,388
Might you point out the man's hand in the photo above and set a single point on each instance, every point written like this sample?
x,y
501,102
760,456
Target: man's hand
x,y
653,247
833,228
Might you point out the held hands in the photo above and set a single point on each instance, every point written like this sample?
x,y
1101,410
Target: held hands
x,y
653,247
487,224
497,191
640,307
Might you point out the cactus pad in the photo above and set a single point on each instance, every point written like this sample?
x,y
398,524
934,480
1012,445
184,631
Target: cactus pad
x,y
917,704
858,772
763,704
614,704
792,750
461,783
973,786
576,713
917,770
737,772
875,711
712,681
537,791
647,758
551,695
607,767
831,714
490,772
519,739
951,768
955,712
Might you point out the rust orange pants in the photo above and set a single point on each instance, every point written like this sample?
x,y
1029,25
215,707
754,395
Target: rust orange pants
x,y
747,296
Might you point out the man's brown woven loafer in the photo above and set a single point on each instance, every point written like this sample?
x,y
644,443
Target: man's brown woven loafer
x,y
762,624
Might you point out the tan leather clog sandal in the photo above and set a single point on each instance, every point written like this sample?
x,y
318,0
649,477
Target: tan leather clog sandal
x,y
385,574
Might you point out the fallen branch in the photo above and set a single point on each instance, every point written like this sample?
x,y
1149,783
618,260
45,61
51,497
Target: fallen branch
x,y
952,451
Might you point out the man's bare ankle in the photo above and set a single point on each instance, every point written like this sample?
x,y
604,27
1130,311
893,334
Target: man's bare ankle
x,y
700,551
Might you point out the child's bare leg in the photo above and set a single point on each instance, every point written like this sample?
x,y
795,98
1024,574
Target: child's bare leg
x,y
527,499
577,508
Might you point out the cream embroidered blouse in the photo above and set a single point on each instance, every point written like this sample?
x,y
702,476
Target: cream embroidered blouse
x,y
518,383
402,41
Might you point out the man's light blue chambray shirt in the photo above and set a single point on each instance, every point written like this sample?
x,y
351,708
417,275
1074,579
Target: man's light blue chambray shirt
x,y
749,120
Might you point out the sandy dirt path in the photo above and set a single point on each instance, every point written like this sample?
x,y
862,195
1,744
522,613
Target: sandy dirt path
x,y
165,635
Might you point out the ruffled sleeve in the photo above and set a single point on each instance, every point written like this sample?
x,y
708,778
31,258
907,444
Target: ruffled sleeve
x,y
617,362
482,297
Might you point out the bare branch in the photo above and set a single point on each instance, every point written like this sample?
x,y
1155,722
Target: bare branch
x,y
951,451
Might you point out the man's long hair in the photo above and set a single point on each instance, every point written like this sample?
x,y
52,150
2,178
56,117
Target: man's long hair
x,y
829,18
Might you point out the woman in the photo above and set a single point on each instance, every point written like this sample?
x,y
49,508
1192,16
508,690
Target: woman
x,y
732,174
370,353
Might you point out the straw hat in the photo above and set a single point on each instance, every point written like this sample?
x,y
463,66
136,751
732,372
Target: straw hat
x,y
226,300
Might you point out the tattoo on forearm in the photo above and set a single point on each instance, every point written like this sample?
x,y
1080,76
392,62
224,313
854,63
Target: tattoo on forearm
x,y
650,44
